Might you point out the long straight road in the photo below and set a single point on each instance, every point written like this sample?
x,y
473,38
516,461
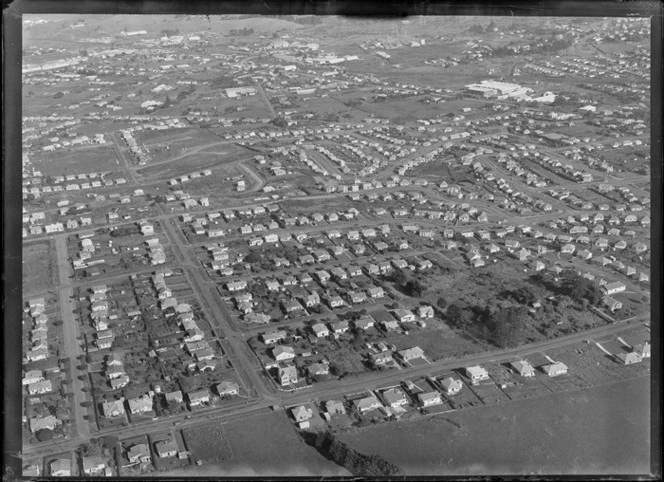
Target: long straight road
x,y
71,333
337,389
266,99
214,312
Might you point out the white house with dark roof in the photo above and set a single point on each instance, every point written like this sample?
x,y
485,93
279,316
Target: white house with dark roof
x,y
198,397
140,404
523,368
395,397
452,386
367,403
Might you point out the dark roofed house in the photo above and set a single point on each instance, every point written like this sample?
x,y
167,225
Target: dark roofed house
x,y
198,397
228,388
524,368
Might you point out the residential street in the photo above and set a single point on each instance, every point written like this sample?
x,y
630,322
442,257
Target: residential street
x,y
71,332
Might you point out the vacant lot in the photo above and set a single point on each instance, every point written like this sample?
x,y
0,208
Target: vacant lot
x,y
75,160
437,340
195,159
207,442
605,430
263,445
38,269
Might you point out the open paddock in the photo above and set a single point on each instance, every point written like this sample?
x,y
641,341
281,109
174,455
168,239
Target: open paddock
x,y
489,393
39,271
527,388
190,161
207,442
536,426
74,160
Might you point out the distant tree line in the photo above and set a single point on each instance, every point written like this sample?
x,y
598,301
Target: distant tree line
x,y
170,32
243,32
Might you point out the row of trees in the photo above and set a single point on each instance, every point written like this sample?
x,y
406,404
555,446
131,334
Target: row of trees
x,y
356,463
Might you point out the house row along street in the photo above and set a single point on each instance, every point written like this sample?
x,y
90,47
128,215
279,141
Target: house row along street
x,y
335,390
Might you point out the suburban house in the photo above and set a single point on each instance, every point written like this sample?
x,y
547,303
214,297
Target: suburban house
x,y
166,448
643,350
39,423
301,413
114,408
451,385
339,326
523,368
320,330
629,358
60,468
367,403
140,404
411,353
395,397
139,453
376,292
476,374
425,312
291,306
236,285
611,303
281,353
316,369
381,359
198,397
404,316
429,399
273,337
615,287
93,465
364,322
227,388
356,297
287,375
334,407
555,369
567,248
335,301
175,396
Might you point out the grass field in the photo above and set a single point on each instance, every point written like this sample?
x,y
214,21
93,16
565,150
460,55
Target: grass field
x,y
437,341
76,160
39,272
266,445
604,430
207,442
205,158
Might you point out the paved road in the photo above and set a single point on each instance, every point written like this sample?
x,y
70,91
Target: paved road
x,y
266,99
337,389
260,182
215,314
122,154
71,332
